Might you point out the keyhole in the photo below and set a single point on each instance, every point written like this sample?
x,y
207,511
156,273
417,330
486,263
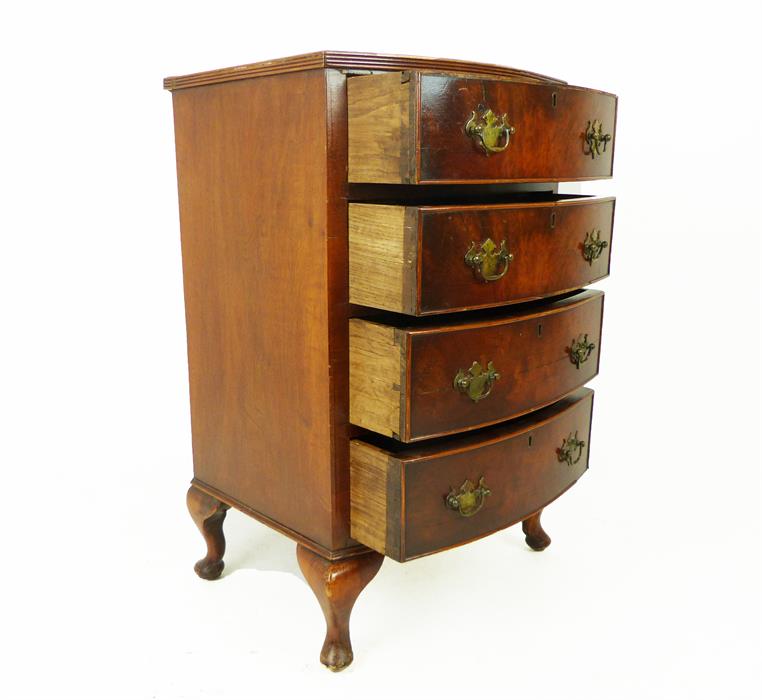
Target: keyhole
x,y
554,100
530,441
539,330
552,219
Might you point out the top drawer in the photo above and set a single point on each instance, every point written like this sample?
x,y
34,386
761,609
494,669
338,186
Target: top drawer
x,y
419,128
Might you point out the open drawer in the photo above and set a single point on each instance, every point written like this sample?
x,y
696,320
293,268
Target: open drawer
x,y
418,380
416,127
407,501
421,260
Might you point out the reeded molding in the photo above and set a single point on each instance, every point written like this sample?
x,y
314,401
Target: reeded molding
x,y
349,60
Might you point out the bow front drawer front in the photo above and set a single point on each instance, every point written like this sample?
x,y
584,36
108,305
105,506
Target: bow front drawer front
x,y
422,260
407,501
416,128
421,380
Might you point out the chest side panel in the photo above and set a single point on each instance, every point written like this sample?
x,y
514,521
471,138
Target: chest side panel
x,y
253,221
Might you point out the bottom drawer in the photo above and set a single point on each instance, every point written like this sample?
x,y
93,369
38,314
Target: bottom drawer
x,y
408,501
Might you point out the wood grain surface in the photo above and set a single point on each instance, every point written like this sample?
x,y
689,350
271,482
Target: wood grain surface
x,y
254,224
550,123
350,61
529,347
519,462
411,259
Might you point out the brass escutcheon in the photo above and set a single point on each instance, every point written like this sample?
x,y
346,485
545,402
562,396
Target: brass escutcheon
x,y
594,137
491,133
476,383
569,446
468,499
593,246
486,259
580,350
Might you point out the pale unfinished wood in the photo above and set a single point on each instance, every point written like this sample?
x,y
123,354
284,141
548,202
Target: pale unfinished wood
x,y
368,478
376,366
383,257
381,128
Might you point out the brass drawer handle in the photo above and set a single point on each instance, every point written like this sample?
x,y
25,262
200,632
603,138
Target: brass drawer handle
x,y
593,246
569,447
488,262
469,499
594,137
476,383
580,350
491,132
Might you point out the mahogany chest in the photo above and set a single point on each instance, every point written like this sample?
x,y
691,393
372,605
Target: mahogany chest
x,y
388,336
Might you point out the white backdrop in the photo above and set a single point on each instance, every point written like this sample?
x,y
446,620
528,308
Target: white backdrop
x,y
651,588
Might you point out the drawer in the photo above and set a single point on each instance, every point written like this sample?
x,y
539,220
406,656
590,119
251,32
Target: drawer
x,y
417,380
415,128
422,260
407,501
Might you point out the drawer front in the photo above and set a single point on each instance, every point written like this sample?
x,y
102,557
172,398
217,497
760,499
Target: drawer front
x,y
422,382
414,501
416,128
549,142
428,260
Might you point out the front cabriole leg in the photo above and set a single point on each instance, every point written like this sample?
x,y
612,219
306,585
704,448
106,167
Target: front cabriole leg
x,y
336,584
536,537
208,513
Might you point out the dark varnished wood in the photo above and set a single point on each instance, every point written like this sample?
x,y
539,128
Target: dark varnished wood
x,y
327,553
531,352
261,388
529,347
518,460
209,515
536,537
350,61
240,340
546,241
338,306
549,142
337,586
265,261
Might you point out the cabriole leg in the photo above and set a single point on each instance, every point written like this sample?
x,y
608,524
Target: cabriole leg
x,y
536,537
336,584
208,513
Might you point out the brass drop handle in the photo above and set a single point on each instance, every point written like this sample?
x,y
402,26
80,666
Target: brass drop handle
x,y
468,499
569,447
476,382
488,262
580,350
594,138
491,132
593,246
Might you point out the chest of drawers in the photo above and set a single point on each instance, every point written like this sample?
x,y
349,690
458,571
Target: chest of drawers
x,y
388,339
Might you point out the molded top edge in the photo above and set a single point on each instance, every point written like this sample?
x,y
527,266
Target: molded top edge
x,y
350,60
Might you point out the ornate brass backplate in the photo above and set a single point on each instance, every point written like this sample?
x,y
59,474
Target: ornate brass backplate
x,y
569,447
491,132
488,262
468,499
594,138
477,382
593,246
580,350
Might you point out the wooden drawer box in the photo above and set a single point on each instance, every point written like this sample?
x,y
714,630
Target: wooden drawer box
x,y
414,127
411,501
421,381
422,260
